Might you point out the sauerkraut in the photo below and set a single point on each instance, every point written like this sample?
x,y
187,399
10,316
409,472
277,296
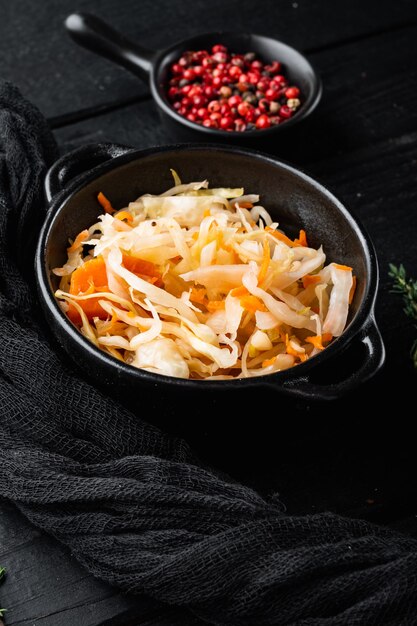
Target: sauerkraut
x,y
201,283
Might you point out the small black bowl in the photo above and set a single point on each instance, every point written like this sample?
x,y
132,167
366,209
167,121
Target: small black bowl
x,y
292,197
152,66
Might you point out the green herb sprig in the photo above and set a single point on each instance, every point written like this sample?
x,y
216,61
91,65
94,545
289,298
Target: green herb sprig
x,y
407,288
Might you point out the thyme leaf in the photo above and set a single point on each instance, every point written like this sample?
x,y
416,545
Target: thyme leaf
x,y
406,287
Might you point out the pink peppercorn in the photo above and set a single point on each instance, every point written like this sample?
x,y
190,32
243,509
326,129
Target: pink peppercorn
x,y
279,79
233,92
218,48
226,122
235,71
285,112
234,101
263,122
292,92
271,94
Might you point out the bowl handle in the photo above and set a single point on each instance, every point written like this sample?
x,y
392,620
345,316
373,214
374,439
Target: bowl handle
x,y
370,338
78,162
94,34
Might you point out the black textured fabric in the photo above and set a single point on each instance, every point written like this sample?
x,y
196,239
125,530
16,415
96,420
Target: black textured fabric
x,y
133,504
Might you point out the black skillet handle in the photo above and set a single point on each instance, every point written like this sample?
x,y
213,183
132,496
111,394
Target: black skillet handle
x,y
373,358
92,33
78,162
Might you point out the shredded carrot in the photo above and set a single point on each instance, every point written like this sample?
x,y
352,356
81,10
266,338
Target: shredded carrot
x,y
352,289
105,203
290,350
302,239
140,266
252,303
310,279
90,277
265,263
268,362
236,258
215,305
82,236
237,292
110,326
206,213
346,268
144,269
278,235
154,280
91,289
124,215
198,294
229,248
318,340
245,205
91,272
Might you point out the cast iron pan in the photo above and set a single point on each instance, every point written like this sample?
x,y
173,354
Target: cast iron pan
x,y
294,200
152,67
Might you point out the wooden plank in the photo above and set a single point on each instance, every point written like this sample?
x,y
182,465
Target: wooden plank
x,y
46,586
61,78
364,101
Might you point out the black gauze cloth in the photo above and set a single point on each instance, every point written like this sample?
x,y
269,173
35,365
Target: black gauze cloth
x,y
134,505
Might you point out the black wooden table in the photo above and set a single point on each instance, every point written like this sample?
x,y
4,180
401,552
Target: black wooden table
x,y
361,142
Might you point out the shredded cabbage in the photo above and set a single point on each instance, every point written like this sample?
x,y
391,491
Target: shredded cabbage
x,y
200,283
